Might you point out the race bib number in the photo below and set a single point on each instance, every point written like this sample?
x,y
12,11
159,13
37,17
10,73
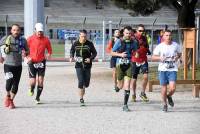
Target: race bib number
x,y
8,75
169,64
124,61
79,59
38,65
139,64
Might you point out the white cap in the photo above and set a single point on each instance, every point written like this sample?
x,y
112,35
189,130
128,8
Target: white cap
x,y
39,27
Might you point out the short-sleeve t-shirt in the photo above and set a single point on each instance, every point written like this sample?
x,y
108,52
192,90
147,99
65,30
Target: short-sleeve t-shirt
x,y
169,52
130,46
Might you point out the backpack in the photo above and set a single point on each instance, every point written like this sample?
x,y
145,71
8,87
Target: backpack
x,y
123,45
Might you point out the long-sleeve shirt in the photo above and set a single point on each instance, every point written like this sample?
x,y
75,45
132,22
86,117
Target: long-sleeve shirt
x,y
38,46
85,50
17,45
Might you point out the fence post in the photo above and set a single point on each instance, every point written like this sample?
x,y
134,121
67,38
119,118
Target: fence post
x,y
110,29
152,35
103,52
197,41
46,27
6,25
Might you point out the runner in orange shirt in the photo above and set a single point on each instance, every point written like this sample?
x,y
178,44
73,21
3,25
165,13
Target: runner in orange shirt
x,y
38,44
113,58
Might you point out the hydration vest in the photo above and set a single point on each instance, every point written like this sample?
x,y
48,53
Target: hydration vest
x,y
7,48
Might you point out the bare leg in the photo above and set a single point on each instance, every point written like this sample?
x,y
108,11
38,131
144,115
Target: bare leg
x,y
164,94
145,81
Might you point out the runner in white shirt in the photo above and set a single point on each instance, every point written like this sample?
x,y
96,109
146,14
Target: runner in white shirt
x,y
167,53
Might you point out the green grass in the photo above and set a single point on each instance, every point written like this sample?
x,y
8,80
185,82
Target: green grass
x,y
153,73
58,50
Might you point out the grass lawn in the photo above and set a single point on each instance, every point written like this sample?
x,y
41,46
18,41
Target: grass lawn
x,y
153,73
58,50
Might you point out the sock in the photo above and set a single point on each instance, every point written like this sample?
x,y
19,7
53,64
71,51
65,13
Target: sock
x,y
126,96
32,88
39,91
82,100
142,93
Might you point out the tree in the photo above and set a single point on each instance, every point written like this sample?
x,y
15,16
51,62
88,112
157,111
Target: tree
x,y
186,15
147,7
142,7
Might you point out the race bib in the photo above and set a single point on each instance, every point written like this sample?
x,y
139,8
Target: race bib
x,y
8,75
79,59
38,65
139,64
169,64
124,61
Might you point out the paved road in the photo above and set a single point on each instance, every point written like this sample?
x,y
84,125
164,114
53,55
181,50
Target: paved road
x,y
60,112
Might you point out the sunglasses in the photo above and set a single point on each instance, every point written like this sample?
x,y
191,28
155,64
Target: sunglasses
x,y
141,30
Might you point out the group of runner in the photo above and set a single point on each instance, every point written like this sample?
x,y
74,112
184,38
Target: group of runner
x,y
129,58
14,47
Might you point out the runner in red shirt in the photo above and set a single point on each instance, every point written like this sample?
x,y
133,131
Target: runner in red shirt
x,y
139,62
38,44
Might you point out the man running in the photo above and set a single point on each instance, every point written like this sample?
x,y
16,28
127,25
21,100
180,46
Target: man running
x,y
13,48
38,44
123,49
139,62
83,52
113,59
167,53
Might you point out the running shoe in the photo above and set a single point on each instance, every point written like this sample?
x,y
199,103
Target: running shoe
x,y
30,92
37,101
170,101
82,103
133,99
7,101
144,97
125,108
12,105
116,89
165,108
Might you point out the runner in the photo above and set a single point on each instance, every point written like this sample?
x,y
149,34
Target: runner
x,y
83,52
139,62
38,44
167,53
123,49
13,48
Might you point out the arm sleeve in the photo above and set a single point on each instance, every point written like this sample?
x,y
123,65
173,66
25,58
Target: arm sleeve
x,y
72,50
93,51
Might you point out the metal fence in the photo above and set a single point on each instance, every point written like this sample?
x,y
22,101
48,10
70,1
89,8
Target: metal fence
x,y
100,29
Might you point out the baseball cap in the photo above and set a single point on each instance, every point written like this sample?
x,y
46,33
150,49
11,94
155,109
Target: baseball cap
x,y
39,27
